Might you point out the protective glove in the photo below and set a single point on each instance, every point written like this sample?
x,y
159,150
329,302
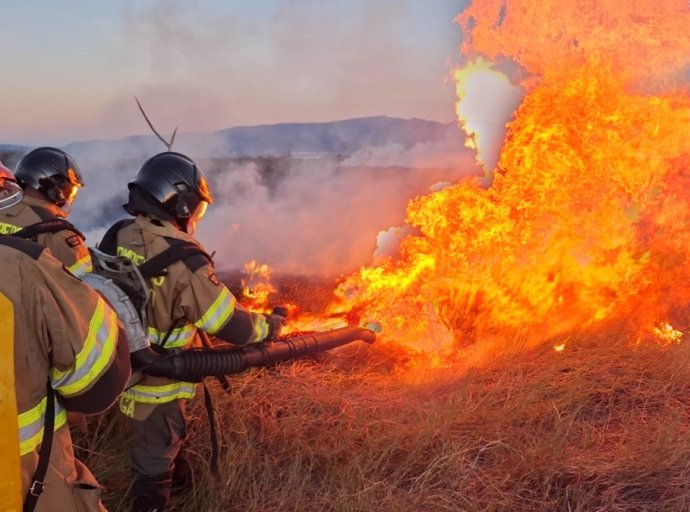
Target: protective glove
x,y
276,321
275,325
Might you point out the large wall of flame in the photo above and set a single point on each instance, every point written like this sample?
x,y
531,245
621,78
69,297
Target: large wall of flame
x,y
587,216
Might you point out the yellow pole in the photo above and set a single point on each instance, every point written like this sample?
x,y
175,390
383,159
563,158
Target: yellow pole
x,y
10,473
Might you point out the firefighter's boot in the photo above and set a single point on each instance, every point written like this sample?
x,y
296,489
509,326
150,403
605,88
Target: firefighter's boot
x,y
151,493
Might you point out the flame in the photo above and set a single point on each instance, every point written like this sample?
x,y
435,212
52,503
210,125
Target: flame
x,y
645,42
257,287
666,333
586,218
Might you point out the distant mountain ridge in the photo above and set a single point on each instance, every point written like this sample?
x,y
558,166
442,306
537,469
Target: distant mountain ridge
x,y
336,137
10,153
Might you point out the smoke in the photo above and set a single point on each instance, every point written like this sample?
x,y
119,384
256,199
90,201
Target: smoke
x,y
297,214
316,214
486,101
99,203
445,153
318,218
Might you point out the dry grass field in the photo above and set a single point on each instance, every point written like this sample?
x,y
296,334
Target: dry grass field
x,y
601,426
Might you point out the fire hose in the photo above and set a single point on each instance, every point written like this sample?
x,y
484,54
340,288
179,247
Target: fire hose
x,y
194,364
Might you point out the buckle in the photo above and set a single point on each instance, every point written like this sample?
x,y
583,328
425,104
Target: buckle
x,y
36,488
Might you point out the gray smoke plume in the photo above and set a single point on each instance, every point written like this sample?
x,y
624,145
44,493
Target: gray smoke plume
x,y
318,218
303,213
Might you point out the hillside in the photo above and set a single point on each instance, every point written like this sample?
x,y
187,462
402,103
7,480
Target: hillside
x,y
338,137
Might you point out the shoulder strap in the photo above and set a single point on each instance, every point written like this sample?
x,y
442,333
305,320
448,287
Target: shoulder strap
x,y
108,243
37,485
213,431
26,246
48,226
158,265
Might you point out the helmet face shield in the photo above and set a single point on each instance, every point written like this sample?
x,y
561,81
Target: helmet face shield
x,y
197,215
10,193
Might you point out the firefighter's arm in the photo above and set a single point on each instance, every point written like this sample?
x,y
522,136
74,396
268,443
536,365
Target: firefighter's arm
x,y
211,307
88,352
71,250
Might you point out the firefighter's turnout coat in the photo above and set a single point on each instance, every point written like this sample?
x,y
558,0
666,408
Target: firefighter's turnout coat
x,y
187,298
66,245
66,337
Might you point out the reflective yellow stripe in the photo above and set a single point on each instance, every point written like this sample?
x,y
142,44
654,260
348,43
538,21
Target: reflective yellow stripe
x,y
82,266
94,358
178,338
31,424
218,314
160,394
260,327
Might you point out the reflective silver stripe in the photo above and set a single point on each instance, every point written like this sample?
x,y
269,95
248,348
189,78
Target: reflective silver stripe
x,y
31,425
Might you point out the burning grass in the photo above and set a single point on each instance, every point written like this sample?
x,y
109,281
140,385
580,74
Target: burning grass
x,y
598,426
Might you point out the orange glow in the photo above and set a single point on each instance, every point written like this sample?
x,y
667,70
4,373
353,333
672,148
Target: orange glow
x,y
198,214
73,191
72,177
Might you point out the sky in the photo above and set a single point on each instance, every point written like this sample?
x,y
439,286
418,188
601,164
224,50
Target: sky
x,y
72,68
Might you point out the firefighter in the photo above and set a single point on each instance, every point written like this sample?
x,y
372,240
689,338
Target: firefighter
x,y
50,179
167,198
69,354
